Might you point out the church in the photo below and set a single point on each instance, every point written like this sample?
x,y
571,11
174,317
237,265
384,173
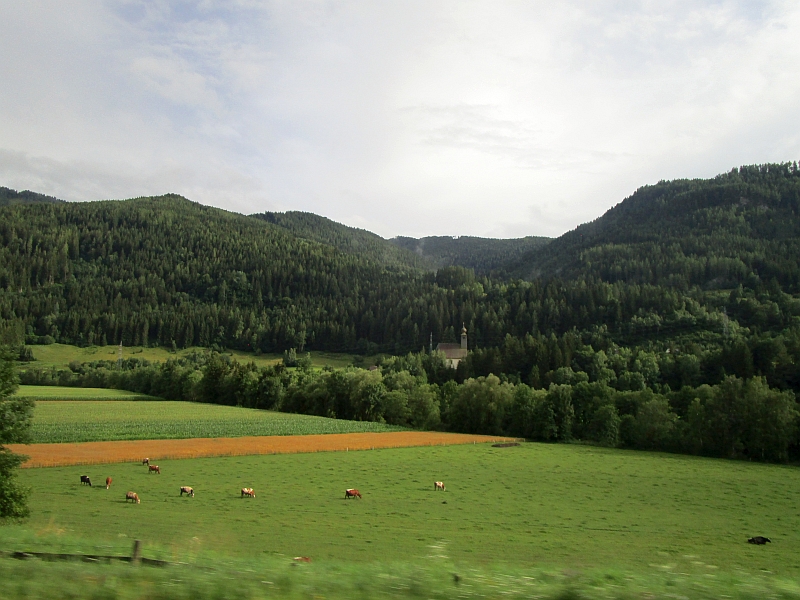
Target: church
x,y
454,353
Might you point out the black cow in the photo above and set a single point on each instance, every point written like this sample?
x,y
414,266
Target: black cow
x,y
759,540
85,479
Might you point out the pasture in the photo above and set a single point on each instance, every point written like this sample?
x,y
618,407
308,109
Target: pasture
x,y
52,392
98,420
60,355
535,505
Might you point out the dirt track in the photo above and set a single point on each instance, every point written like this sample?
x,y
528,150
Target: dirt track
x,y
93,453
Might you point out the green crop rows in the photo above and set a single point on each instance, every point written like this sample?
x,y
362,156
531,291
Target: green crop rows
x,y
87,421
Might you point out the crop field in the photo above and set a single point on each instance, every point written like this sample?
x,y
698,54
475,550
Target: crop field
x,y
100,453
95,420
535,505
60,355
52,392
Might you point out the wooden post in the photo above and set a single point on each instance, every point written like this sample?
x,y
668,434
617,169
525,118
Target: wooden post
x,y
136,558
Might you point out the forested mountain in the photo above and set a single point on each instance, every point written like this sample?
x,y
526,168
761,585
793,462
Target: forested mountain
x,y
9,196
169,270
347,239
715,233
681,284
484,255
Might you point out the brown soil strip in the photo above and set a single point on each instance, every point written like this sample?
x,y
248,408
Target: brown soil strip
x,y
95,453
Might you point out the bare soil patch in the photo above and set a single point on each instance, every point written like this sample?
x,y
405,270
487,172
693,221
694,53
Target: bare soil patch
x,y
95,453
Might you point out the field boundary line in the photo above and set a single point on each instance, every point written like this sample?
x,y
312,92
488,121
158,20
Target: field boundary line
x,y
96,453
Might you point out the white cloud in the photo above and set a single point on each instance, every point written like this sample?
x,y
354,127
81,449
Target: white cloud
x,y
415,118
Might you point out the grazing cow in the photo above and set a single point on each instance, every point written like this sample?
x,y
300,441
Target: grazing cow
x,y
86,481
438,485
186,489
248,492
132,496
145,461
352,494
108,482
153,469
759,540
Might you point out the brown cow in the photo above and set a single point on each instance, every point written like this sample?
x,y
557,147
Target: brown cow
x,y
108,482
352,494
185,489
438,485
153,469
145,461
248,492
132,496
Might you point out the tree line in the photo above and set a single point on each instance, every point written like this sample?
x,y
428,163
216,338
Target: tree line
x,y
735,418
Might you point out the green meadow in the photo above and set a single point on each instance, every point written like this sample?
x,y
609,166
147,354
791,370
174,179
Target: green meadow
x,y
60,355
533,506
101,420
200,576
52,392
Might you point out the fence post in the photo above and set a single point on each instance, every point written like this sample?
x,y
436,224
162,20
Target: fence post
x,y
136,558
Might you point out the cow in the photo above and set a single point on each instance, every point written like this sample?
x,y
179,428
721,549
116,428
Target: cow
x,y
304,559
86,481
438,485
248,492
108,482
132,496
153,469
185,489
352,494
145,461
759,540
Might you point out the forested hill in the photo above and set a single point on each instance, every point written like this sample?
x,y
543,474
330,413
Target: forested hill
x,y
715,233
483,255
347,239
9,196
163,270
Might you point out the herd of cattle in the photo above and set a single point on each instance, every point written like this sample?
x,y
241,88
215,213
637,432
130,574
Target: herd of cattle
x,y
348,493
185,489
246,491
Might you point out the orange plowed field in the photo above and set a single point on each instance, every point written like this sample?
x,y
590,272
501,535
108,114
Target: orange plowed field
x,y
94,453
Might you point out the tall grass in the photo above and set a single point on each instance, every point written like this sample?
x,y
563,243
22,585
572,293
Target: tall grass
x,y
201,575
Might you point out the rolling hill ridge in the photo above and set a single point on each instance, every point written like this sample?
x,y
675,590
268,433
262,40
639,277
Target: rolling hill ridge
x,y
710,233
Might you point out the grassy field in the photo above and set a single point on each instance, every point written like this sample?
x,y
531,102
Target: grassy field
x,y
98,420
51,392
60,355
202,576
535,505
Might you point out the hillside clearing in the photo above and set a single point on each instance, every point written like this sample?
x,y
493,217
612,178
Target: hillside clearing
x,y
60,355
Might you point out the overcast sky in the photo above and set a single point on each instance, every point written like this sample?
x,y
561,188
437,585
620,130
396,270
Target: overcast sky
x,y
488,118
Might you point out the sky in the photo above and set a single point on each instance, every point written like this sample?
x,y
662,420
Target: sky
x,y
433,117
